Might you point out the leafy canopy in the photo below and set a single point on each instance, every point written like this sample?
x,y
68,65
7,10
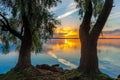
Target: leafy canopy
x,y
83,4
41,21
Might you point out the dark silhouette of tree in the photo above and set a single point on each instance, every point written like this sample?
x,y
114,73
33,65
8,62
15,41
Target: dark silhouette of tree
x,y
26,23
89,32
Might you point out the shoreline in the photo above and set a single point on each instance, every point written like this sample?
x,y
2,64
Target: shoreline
x,y
53,72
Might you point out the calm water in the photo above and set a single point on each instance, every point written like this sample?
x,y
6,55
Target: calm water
x,y
66,52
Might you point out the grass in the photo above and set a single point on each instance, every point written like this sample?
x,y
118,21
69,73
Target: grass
x,y
33,74
71,74
75,75
26,73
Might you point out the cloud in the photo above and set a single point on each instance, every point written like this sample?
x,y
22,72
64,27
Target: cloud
x,y
112,32
52,55
11,54
67,63
115,15
63,61
67,14
53,9
74,9
72,5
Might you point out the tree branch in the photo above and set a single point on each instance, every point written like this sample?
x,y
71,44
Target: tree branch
x,y
87,18
102,18
85,26
7,26
2,22
22,29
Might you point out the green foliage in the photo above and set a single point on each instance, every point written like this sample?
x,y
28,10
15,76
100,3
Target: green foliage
x,y
83,4
71,74
27,73
98,5
35,74
31,74
76,75
49,3
41,21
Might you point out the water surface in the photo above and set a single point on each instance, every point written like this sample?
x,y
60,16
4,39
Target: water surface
x,y
66,52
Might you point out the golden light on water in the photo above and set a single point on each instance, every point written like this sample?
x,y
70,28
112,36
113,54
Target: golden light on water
x,y
65,45
68,43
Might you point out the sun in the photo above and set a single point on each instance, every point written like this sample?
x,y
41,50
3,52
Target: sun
x,y
67,32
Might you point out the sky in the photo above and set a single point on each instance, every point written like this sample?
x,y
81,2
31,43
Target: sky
x,y
67,13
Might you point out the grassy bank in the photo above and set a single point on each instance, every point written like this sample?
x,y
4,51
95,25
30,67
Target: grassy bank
x,y
51,73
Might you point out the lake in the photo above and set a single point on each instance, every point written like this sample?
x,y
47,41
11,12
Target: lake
x,y
66,52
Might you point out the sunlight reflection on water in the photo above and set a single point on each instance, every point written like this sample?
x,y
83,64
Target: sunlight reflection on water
x,y
66,52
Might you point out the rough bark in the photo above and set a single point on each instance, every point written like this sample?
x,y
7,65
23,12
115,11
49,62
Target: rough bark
x,y
24,60
89,58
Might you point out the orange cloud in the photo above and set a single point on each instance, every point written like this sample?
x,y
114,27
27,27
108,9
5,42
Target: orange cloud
x,y
109,36
67,32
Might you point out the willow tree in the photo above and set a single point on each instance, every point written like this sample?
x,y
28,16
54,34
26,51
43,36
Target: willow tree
x,y
89,32
26,23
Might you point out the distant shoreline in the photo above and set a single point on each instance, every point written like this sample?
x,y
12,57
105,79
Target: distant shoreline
x,y
79,38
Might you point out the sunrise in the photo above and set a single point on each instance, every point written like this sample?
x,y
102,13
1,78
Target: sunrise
x,y
59,40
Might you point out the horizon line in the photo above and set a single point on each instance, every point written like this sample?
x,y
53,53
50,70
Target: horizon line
x,y
79,38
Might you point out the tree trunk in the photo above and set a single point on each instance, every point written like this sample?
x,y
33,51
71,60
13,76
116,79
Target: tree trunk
x,y
89,59
24,60
88,38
